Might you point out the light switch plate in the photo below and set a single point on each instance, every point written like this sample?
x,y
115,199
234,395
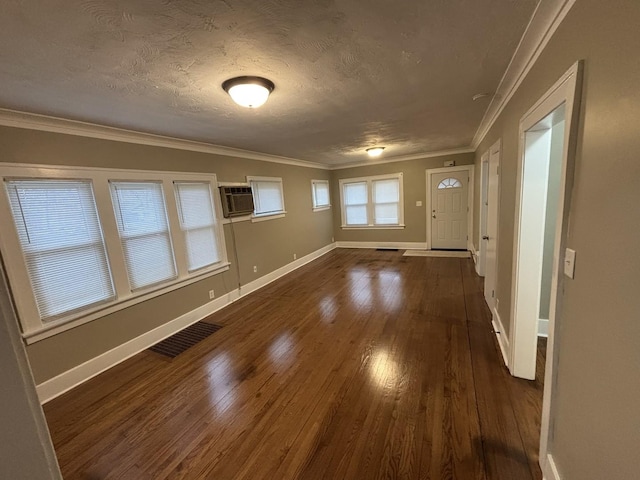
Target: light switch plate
x,y
418,203
569,262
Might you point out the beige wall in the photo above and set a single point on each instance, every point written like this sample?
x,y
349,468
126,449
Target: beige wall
x,y
415,188
267,245
595,408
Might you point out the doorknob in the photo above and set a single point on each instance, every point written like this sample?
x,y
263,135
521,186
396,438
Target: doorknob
x,y
484,237
434,215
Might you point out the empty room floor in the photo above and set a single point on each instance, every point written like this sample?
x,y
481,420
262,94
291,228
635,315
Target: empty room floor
x,y
360,365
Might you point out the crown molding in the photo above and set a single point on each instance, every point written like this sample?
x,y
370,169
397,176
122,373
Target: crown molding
x,y
33,121
404,158
545,20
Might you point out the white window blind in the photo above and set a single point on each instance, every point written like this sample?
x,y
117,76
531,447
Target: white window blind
x,y
320,191
59,232
198,223
267,196
141,216
386,201
355,203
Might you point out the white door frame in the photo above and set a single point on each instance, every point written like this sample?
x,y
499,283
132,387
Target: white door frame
x,y
460,168
494,207
481,254
565,91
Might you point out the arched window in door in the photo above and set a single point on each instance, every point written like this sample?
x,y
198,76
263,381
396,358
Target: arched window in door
x,y
449,183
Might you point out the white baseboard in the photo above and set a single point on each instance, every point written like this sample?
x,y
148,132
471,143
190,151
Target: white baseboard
x,y
543,327
56,386
288,268
474,254
550,470
503,340
398,245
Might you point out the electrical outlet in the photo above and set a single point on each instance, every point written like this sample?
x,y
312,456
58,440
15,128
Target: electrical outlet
x,y
295,256
255,269
212,294
333,239
418,203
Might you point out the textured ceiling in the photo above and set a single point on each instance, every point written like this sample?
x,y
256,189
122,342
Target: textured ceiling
x,y
349,74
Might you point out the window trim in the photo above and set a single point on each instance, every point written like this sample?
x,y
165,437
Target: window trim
x,y
33,328
315,206
370,205
261,217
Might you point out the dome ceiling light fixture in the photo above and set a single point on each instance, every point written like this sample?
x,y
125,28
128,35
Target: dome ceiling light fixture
x,y
250,92
375,151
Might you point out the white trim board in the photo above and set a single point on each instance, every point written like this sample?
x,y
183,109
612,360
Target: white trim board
x,y
56,386
550,469
474,254
503,340
545,21
404,158
45,123
543,327
390,245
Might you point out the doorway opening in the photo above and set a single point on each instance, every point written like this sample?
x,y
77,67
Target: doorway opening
x,y
543,193
539,197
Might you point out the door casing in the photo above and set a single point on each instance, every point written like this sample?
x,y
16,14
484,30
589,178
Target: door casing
x,y
567,91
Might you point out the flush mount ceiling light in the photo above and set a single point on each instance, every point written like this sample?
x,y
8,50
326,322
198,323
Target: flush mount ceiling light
x,y
250,92
375,151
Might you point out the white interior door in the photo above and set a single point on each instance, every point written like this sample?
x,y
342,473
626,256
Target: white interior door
x,y
491,238
449,200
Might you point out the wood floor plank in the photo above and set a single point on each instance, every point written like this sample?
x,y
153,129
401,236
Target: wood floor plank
x,y
359,365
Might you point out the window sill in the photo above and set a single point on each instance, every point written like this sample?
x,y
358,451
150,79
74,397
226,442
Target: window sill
x,y
372,227
270,216
321,209
239,218
55,327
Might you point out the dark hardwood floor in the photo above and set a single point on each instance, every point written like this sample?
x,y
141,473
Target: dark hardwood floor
x,y
361,365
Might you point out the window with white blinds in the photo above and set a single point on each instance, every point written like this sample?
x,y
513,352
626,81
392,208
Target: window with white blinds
x,y
198,223
144,232
59,232
320,195
88,242
386,201
268,196
356,199
372,202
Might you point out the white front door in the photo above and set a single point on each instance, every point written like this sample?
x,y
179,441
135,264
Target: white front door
x,y
449,192
491,237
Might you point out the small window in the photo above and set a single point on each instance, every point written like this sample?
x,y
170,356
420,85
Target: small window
x,y
449,183
320,194
141,215
372,202
59,232
268,196
198,223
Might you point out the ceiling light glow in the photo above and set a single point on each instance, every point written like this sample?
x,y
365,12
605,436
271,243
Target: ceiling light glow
x,y
375,151
250,92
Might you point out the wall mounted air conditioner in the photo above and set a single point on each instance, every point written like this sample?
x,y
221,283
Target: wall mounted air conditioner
x,y
236,201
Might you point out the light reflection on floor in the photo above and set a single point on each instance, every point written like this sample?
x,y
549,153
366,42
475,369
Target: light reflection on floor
x,y
383,369
222,389
281,351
